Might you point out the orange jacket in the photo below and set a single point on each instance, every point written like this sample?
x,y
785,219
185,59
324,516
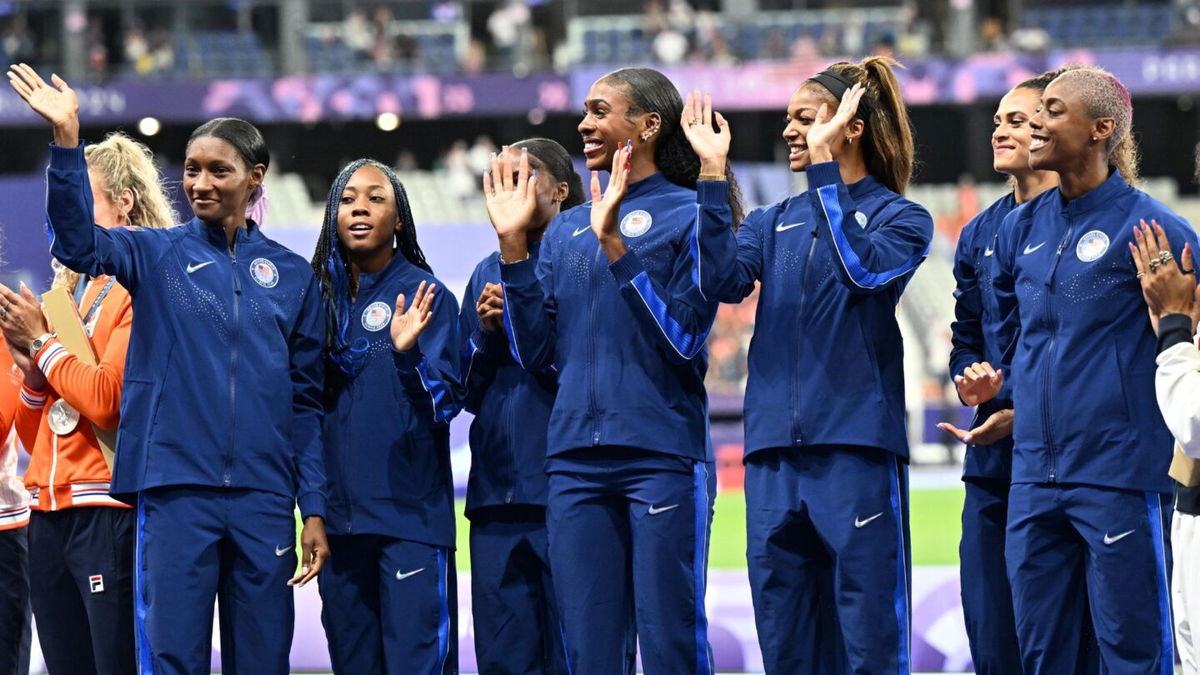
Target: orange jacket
x,y
70,470
14,499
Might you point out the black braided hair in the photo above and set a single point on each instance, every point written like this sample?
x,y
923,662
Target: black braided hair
x,y
650,91
558,163
332,266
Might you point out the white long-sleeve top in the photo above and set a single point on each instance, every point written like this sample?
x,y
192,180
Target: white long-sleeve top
x,y
1177,387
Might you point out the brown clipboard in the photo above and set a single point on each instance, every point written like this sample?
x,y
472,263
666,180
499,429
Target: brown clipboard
x,y
68,325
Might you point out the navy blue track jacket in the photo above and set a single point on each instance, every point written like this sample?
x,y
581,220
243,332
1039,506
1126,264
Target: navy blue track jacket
x,y
1082,366
511,408
387,429
826,364
224,377
976,330
627,338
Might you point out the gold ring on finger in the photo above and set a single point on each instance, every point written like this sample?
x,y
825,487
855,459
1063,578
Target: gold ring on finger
x,y
1165,257
1154,263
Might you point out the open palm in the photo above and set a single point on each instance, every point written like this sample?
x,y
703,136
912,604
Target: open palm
x,y
408,325
58,104
510,205
697,124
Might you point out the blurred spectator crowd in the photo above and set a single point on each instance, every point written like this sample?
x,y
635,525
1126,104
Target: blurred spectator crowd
x,y
241,38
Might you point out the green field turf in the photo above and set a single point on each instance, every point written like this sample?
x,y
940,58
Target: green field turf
x,y
935,516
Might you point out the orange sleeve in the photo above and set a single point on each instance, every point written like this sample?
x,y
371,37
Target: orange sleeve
x,y
95,391
29,416
10,387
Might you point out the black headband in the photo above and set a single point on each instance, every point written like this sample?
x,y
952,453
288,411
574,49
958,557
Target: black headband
x,y
838,85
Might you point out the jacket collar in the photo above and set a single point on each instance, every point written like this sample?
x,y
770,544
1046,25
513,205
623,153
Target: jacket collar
x,y
216,236
647,185
1103,194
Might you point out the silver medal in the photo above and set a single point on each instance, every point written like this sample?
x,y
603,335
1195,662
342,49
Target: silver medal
x,y
63,418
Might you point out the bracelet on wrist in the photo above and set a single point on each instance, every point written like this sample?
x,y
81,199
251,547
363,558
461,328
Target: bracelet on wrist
x,y
712,176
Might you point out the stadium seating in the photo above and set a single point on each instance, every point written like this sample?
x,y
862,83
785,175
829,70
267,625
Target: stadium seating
x,y
1101,25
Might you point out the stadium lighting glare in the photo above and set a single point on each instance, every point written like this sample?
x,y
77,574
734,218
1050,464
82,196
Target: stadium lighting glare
x,y
387,121
148,126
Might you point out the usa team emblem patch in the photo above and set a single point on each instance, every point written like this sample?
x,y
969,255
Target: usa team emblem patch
x,y
264,272
1091,246
96,582
636,223
376,316
860,218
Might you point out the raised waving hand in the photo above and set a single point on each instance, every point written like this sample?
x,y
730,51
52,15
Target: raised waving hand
x,y
57,103
711,145
407,325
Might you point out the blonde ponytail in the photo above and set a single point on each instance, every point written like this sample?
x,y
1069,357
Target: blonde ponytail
x,y
125,164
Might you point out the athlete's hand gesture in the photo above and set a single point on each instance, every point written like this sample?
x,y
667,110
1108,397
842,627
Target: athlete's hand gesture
x,y
999,425
606,206
511,202
408,325
490,308
315,550
712,146
979,383
1168,288
829,130
58,103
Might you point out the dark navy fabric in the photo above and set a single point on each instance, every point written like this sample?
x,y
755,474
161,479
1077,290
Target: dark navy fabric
x,y
826,361
197,543
828,551
81,578
15,623
629,549
387,428
224,377
977,329
389,606
986,593
1082,365
511,407
1110,546
626,338
513,606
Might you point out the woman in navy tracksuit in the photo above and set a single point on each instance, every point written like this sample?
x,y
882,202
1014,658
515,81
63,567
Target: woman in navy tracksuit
x,y
388,591
612,304
215,458
826,447
987,470
1090,499
512,597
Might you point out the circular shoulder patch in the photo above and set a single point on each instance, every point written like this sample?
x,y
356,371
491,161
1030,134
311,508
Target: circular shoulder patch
x,y
636,223
1091,246
376,316
264,272
861,218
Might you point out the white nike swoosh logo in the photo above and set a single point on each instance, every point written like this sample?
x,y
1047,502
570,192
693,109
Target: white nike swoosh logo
x,y
654,512
280,552
581,230
192,268
401,576
860,523
1112,540
785,228
1031,249
989,251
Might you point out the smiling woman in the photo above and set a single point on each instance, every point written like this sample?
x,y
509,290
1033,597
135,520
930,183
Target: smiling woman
x,y
1090,497
213,457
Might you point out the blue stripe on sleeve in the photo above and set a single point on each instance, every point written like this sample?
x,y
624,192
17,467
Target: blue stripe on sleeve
x,y
443,410
1166,662
686,344
508,327
860,275
695,246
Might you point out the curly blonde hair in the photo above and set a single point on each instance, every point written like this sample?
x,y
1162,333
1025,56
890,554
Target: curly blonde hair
x,y
125,164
